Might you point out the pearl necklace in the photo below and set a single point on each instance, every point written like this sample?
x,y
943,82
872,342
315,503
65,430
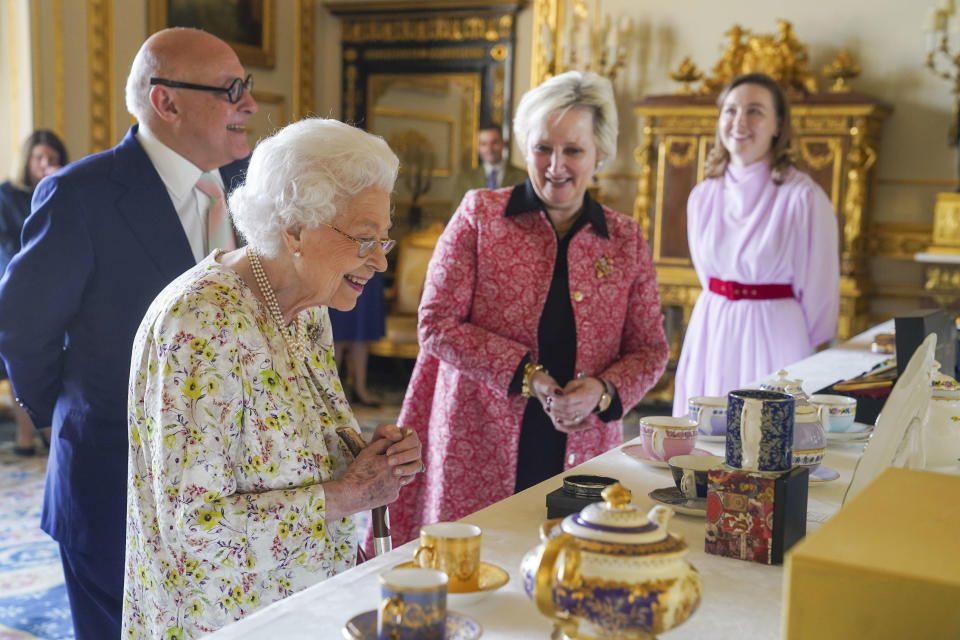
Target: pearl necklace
x,y
295,344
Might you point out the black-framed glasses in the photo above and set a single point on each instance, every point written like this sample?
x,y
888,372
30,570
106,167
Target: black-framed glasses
x,y
365,245
234,91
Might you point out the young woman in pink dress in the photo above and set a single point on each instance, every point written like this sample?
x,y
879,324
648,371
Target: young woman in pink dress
x,y
764,241
540,324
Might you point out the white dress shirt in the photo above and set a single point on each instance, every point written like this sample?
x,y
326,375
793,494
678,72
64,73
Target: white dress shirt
x,y
180,176
500,167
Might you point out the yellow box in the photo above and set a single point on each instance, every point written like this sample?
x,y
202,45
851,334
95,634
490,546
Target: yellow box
x,y
887,565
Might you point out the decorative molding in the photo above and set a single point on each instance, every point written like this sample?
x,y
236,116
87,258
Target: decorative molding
x,y
59,91
361,29
36,63
100,54
303,59
14,79
899,241
460,53
547,14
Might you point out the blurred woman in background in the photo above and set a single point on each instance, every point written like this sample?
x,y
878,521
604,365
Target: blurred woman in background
x,y
43,153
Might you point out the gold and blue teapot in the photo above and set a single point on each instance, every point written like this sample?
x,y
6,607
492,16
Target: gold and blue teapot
x,y
612,571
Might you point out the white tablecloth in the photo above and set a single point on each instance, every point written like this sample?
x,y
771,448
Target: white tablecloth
x,y
740,599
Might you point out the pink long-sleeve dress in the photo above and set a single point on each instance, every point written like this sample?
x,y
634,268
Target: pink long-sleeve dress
x,y
746,229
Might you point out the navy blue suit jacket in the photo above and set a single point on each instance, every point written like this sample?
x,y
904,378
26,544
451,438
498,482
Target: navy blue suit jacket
x,y
102,241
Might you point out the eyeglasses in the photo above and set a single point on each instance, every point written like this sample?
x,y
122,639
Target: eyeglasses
x,y
234,91
365,245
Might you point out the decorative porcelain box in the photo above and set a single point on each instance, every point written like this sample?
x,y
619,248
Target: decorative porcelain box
x,y
755,516
886,566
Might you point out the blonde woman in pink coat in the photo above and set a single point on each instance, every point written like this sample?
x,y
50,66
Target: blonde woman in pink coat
x,y
540,324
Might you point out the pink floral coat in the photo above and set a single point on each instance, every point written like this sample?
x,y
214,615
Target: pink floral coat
x,y
485,290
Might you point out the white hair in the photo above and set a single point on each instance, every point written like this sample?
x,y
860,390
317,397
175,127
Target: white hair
x,y
303,175
571,90
146,64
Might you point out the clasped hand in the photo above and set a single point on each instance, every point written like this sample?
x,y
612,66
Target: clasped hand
x,y
390,461
567,406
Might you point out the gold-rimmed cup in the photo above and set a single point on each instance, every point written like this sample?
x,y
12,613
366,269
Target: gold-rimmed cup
x,y
454,548
413,605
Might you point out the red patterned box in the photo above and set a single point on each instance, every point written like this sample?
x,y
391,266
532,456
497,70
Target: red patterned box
x,y
756,517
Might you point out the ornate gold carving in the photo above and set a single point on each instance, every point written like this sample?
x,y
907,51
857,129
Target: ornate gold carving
x,y
350,97
496,101
35,64
943,284
303,59
946,224
59,100
350,54
688,154
446,53
498,52
12,31
814,161
548,25
780,56
860,159
100,56
686,73
819,123
841,69
900,241
593,45
641,205
426,29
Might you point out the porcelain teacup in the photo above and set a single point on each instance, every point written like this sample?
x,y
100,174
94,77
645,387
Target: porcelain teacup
x,y
664,437
413,605
454,548
690,473
710,414
836,412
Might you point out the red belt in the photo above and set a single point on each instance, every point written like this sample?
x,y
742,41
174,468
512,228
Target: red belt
x,y
737,291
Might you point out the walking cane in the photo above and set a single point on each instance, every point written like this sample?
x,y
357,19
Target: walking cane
x,y
378,515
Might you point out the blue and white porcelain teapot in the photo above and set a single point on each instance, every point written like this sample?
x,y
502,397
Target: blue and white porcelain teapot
x,y
612,571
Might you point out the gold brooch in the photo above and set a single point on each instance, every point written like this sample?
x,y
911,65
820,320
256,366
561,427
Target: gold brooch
x,y
314,333
604,266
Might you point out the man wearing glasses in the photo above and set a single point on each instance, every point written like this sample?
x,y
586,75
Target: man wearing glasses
x,y
105,236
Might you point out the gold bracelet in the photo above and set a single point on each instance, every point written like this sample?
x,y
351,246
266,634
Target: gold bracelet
x,y
528,370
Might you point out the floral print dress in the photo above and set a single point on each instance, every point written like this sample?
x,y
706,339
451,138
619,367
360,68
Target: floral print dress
x,y
230,442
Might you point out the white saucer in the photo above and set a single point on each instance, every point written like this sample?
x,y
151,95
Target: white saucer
x,y
705,438
492,578
821,473
673,498
636,452
858,432
459,627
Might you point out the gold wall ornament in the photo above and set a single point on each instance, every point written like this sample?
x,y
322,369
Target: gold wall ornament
x,y
100,60
686,73
946,224
303,59
581,43
860,159
781,56
841,69
644,182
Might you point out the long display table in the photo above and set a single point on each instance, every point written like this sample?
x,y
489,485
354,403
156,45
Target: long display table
x,y
740,599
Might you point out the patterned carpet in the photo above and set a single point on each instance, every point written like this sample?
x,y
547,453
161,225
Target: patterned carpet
x,y
33,598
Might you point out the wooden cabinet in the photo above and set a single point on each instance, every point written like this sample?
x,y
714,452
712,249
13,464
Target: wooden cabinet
x,y
836,141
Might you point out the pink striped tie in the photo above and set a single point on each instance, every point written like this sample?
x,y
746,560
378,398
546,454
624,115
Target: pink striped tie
x,y
219,231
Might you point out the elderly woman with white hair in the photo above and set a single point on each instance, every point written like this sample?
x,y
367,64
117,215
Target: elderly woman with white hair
x,y
540,323
240,492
